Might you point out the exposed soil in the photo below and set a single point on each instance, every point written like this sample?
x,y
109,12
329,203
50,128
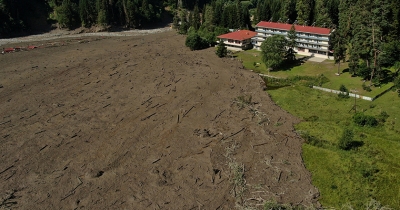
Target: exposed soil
x,y
142,123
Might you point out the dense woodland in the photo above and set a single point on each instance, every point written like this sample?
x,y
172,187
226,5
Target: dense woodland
x,y
365,32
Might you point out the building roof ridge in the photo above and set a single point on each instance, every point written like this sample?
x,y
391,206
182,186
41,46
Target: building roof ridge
x,y
299,28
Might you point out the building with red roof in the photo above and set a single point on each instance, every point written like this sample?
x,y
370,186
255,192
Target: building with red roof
x,y
238,40
311,41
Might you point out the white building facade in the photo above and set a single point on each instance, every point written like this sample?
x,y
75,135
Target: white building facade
x,y
311,41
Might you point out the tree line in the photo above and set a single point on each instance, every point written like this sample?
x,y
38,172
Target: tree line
x,y
22,15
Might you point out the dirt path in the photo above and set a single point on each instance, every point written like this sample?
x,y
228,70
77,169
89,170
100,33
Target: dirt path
x,y
142,123
64,34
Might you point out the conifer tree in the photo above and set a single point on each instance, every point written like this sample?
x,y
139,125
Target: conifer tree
x,y
221,51
321,14
291,44
304,11
288,11
196,18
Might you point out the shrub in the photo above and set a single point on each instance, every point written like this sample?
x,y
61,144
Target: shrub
x,y
365,120
346,141
195,42
222,51
366,88
344,92
382,117
183,28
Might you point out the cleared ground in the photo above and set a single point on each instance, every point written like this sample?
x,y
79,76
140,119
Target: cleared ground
x,y
142,123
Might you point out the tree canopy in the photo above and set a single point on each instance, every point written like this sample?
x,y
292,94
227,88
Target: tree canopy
x,y
273,51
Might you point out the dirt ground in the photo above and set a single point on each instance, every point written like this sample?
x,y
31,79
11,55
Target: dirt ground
x,y
142,123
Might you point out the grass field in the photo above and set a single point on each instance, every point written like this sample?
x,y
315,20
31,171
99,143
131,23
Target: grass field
x,y
251,59
370,171
347,177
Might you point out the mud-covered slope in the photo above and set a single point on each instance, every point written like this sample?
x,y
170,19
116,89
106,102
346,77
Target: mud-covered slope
x,y
142,123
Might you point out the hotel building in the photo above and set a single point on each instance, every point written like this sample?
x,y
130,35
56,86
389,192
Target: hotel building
x,y
311,41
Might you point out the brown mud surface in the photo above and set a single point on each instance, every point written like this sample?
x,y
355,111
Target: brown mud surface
x,y
142,123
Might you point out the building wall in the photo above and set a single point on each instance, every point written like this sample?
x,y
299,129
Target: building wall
x,y
308,43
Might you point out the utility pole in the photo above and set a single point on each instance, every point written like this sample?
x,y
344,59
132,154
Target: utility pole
x,y
338,69
354,91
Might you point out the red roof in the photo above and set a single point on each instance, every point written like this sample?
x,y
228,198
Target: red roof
x,y
299,28
238,35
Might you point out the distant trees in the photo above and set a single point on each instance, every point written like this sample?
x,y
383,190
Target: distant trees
x,y
365,30
19,16
67,14
305,11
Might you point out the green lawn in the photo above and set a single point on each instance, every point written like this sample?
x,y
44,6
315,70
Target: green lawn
x,y
347,177
372,170
251,59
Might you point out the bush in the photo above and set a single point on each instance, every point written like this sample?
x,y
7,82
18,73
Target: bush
x,y
382,117
346,141
365,120
183,28
222,51
312,140
366,88
344,92
195,42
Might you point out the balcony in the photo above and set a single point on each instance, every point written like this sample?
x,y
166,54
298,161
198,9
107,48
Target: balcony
x,y
308,41
314,48
271,32
323,38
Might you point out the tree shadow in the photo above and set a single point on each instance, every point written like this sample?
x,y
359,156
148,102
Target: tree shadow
x,y
288,65
356,144
345,70
386,76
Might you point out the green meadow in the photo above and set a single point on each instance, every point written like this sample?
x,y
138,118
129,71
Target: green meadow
x,y
371,169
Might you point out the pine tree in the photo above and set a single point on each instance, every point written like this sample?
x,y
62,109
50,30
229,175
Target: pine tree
x,y
208,15
196,18
346,141
339,48
321,13
102,12
304,11
275,9
292,36
221,51
288,10
67,14
218,13
291,44
240,22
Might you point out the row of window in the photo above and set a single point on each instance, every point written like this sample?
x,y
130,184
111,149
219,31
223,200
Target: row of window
x,y
234,41
310,45
285,32
311,40
317,52
299,44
